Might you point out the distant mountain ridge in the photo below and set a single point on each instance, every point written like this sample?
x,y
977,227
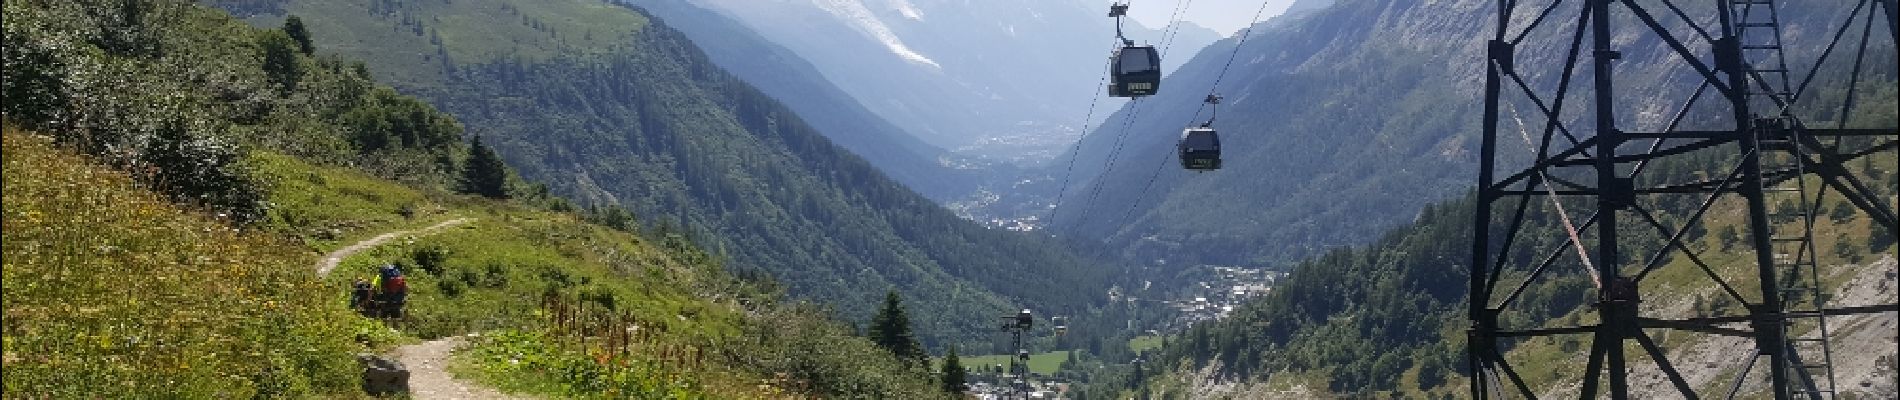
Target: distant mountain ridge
x,y
792,80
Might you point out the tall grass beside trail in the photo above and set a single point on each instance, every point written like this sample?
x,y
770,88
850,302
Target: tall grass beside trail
x,y
113,292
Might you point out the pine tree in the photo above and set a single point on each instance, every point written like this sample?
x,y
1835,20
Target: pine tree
x,y
280,60
485,174
955,378
890,329
1879,237
293,26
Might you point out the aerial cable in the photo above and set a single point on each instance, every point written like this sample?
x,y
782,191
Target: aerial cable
x,y
1076,147
1173,29
1576,240
1244,34
1108,165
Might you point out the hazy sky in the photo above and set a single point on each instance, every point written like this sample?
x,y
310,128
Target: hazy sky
x,y
1224,16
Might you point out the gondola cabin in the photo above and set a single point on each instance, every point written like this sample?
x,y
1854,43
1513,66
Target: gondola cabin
x,y
1134,71
1200,149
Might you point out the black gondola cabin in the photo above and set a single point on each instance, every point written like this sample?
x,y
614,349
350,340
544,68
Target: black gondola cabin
x,y
1134,71
1200,149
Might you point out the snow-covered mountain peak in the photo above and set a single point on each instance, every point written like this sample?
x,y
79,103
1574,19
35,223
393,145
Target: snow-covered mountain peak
x,y
867,22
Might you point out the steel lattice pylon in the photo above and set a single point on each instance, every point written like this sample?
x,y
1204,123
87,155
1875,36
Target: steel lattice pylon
x,y
1761,122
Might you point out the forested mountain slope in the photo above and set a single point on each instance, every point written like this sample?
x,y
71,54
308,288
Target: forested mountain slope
x,y
612,108
794,82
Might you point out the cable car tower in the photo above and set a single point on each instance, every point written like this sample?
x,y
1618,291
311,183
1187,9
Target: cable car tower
x,y
1760,116
1016,325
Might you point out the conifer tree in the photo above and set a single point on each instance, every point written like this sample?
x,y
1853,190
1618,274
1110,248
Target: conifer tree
x,y
485,174
955,378
890,329
280,60
293,26
1879,237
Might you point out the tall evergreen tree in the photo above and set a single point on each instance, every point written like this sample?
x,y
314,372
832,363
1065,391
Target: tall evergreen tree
x,y
293,26
891,330
485,173
955,379
280,60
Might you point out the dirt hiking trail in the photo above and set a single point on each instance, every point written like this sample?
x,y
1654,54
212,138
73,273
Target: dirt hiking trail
x,y
429,377
427,361
331,260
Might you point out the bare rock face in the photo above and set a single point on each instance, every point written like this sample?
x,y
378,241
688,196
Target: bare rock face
x,y
382,375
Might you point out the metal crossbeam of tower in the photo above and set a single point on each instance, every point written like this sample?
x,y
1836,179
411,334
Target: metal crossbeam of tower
x,y
1637,167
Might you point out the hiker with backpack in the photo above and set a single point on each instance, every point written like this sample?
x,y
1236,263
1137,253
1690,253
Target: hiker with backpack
x,y
392,291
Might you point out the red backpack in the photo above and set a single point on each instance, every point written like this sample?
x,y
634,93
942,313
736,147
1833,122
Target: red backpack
x,y
395,284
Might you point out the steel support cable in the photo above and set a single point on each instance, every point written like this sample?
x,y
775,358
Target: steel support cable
x,y
1173,28
1674,122
1129,215
1244,34
1108,165
1591,220
1655,145
1076,148
1576,240
1551,125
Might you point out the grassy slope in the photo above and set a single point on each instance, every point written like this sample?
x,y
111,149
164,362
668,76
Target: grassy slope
x,y
111,291
493,273
493,269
